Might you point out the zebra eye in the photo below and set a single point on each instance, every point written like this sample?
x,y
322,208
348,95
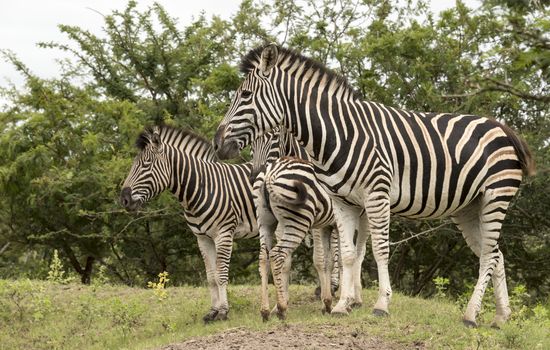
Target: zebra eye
x,y
246,94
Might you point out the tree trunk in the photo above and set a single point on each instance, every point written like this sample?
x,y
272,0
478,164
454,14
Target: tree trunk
x,y
87,272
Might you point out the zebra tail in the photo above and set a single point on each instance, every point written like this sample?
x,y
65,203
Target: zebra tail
x,y
522,150
300,192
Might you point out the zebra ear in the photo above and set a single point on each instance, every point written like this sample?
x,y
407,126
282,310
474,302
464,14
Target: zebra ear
x,y
268,58
155,140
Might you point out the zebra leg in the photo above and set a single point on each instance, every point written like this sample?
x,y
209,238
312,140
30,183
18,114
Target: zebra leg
x,y
335,251
480,224
322,261
224,246
377,208
208,252
503,310
347,219
267,225
266,242
361,246
280,258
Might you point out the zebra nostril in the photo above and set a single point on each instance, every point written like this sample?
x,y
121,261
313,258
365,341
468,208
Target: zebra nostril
x,y
126,197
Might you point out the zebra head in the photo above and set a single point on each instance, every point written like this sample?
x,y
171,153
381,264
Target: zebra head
x,y
150,172
265,150
257,106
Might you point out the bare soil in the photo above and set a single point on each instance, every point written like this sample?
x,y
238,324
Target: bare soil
x,y
290,337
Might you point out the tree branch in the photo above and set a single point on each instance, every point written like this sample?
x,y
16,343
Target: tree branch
x,y
419,234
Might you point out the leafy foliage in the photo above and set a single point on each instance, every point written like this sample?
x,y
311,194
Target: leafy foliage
x,y
66,143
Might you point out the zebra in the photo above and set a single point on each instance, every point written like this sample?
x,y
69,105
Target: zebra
x,y
385,160
291,218
216,198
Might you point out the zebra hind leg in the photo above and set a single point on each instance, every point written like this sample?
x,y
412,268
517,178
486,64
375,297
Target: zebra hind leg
x,y
336,264
265,246
322,261
480,223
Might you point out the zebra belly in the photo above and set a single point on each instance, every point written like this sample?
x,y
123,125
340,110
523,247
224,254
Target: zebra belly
x,y
245,231
429,209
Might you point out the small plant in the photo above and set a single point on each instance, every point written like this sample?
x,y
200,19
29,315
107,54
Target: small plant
x,y
101,277
57,271
160,288
441,285
24,299
126,316
519,301
88,311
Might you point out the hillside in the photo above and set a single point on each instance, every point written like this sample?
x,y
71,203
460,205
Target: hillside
x,y
42,315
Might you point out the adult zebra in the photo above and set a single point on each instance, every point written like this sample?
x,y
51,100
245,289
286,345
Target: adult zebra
x,y
216,198
382,160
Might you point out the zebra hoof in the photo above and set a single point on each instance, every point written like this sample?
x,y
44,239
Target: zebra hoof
x,y
210,316
469,324
221,316
318,293
265,315
281,314
338,312
499,321
380,313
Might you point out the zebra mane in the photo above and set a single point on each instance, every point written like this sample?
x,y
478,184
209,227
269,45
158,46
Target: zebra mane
x,y
251,60
183,139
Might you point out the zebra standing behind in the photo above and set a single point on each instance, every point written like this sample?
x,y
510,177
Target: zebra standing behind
x,y
384,160
291,217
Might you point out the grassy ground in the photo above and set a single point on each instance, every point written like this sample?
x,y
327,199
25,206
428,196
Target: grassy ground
x,y
42,315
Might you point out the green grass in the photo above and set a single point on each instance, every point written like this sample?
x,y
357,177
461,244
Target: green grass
x,y
53,316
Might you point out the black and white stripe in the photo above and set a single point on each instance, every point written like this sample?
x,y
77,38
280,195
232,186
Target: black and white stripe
x,y
382,159
290,220
216,198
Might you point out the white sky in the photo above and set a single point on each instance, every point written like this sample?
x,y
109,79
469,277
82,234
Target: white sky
x,y
24,23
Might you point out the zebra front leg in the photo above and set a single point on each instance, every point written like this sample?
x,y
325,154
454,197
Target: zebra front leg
x,y
377,208
347,221
322,260
208,252
224,246
360,244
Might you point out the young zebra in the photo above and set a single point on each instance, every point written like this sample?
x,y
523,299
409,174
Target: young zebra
x,y
385,160
216,198
295,203
291,219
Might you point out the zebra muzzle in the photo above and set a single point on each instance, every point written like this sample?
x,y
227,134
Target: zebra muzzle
x,y
225,149
126,199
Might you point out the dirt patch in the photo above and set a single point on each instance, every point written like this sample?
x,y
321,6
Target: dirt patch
x,y
290,337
